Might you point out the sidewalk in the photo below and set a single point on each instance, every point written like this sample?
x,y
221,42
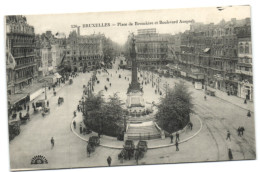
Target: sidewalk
x,y
41,96
237,101
113,143
233,99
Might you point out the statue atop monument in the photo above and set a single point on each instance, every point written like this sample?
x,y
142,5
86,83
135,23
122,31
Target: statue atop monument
x,y
135,85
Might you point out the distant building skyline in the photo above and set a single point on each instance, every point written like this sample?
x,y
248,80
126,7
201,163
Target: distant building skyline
x,y
102,22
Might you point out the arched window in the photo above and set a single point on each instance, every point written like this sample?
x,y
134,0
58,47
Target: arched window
x,y
247,48
241,48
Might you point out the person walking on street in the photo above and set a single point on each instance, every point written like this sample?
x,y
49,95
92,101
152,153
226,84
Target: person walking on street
x,y
190,125
28,108
109,160
74,124
47,103
228,135
171,138
230,155
239,131
242,129
249,114
245,102
52,142
74,114
205,97
177,136
177,146
80,129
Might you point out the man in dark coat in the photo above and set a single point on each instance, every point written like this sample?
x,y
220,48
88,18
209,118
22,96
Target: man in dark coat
x,y
52,142
74,124
177,136
228,136
109,160
249,114
230,156
171,138
80,129
177,146
242,129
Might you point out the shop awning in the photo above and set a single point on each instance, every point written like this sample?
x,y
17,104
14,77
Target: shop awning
x,y
173,67
57,75
13,99
206,50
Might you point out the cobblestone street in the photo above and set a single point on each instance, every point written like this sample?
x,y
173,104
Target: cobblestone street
x,y
209,144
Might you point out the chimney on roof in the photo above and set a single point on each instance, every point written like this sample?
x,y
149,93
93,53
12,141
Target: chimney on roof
x,y
48,32
78,28
247,20
233,20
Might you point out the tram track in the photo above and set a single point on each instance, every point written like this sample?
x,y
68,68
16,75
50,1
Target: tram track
x,y
243,145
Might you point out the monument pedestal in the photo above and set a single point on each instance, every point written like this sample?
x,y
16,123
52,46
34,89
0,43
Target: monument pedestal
x,y
135,103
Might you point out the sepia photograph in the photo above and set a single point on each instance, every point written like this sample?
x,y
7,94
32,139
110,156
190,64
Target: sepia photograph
x,y
129,88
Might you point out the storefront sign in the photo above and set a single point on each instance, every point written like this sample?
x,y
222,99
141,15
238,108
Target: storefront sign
x,y
183,73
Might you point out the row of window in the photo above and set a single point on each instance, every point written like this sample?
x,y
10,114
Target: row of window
x,y
245,60
156,56
21,51
24,73
86,58
244,48
20,29
23,61
23,40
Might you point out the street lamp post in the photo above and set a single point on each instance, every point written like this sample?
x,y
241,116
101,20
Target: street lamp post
x,y
124,122
45,91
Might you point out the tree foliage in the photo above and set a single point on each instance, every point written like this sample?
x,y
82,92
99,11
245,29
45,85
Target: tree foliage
x,y
110,50
175,108
104,117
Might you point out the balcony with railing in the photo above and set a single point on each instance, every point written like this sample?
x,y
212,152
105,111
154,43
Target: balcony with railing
x,y
22,44
239,71
20,55
23,79
21,66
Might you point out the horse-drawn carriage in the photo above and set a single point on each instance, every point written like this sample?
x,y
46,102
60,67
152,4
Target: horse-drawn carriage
x,y
25,118
141,148
39,105
45,111
14,129
93,142
128,150
210,93
70,81
60,100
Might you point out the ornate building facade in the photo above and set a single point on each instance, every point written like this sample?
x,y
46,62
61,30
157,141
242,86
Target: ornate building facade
x,y
244,66
152,48
21,48
209,53
84,52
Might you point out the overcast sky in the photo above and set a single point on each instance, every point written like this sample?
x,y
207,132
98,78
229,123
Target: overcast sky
x,y
62,22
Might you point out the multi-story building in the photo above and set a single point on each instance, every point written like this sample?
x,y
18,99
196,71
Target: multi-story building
x,y
50,50
20,48
209,54
84,52
43,50
61,55
244,66
153,48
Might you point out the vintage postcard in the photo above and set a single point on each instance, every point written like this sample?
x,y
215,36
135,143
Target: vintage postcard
x,y
130,88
